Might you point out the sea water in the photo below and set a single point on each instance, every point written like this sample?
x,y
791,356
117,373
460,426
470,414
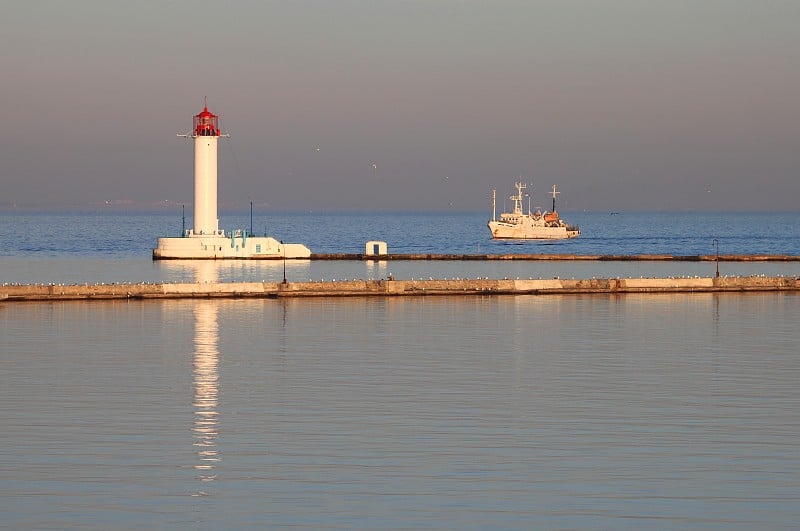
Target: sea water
x,y
110,247
594,412
659,411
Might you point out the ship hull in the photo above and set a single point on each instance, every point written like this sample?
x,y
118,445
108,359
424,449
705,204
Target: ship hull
x,y
522,231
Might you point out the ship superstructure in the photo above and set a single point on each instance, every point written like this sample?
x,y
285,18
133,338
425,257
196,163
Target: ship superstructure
x,y
531,225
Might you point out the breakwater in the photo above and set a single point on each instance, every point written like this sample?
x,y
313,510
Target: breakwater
x,y
391,287
562,257
521,257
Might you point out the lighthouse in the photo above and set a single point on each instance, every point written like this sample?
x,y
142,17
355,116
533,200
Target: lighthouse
x,y
206,240
205,132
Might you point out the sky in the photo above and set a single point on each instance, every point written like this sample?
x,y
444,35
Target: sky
x,y
403,105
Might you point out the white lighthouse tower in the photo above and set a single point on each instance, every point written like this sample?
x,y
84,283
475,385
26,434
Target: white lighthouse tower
x,y
205,132
206,240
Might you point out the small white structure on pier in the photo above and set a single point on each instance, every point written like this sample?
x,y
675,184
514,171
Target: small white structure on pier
x,y
375,247
206,241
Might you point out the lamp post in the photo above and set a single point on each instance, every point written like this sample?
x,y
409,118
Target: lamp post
x,y
715,242
283,247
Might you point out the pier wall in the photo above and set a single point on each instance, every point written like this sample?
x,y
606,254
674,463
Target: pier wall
x,y
354,288
560,257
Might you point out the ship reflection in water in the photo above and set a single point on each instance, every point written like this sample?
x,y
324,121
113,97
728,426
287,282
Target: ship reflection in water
x,y
206,381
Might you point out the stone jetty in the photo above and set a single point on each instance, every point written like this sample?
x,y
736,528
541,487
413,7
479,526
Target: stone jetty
x,y
561,257
523,257
391,287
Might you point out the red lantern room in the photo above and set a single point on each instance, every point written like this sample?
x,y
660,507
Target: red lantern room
x,y
205,124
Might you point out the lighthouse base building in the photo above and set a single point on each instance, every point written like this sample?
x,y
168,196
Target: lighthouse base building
x,y
236,244
206,241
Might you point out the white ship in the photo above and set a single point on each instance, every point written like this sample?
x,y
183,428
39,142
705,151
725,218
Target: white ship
x,y
531,226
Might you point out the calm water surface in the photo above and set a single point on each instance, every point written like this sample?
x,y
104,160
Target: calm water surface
x,y
113,234
79,248
589,412
574,412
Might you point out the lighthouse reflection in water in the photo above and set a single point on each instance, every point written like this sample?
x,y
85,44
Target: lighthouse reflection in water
x,y
206,380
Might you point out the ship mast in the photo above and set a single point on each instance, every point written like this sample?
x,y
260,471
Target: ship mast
x,y
494,204
518,198
554,193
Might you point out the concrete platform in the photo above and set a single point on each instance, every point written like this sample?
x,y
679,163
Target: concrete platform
x,y
237,245
361,288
